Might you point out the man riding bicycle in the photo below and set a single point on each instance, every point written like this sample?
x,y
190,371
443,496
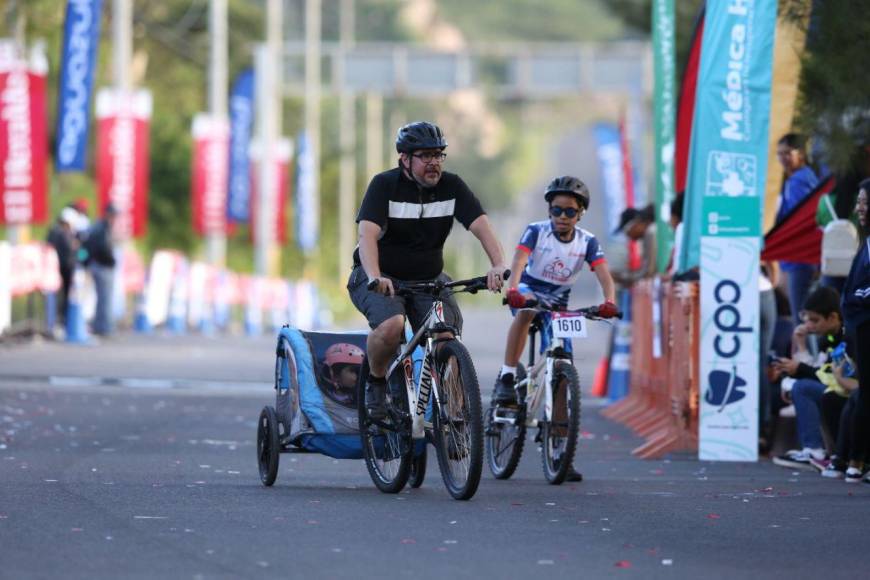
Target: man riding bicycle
x,y
546,264
404,220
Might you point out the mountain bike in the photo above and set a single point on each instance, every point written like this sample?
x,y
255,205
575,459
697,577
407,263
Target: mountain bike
x,y
548,397
440,403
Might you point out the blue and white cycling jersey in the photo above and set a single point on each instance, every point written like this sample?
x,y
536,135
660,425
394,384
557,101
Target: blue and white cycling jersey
x,y
554,264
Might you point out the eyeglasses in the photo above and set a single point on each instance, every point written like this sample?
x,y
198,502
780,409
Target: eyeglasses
x,y
569,212
430,157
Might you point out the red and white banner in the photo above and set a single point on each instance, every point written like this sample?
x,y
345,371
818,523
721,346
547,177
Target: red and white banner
x,y
23,136
210,174
34,267
282,157
123,120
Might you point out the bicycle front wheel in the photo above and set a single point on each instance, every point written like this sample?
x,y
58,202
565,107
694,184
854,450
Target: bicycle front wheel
x,y
457,426
505,440
559,435
387,445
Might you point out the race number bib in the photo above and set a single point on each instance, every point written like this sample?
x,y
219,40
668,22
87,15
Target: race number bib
x,y
568,325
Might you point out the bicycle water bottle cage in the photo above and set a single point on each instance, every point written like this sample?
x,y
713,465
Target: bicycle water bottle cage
x,y
560,352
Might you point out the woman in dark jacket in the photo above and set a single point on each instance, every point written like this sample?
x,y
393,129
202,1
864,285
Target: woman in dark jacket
x,y
856,312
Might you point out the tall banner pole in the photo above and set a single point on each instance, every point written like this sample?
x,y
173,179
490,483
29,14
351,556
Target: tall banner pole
x,y
727,168
664,113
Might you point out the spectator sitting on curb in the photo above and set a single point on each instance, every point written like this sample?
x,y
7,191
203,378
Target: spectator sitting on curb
x,y
819,389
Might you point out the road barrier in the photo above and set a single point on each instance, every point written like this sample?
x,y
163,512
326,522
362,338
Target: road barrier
x,y
171,292
662,403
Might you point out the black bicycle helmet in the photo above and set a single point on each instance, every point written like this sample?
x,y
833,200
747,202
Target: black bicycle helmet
x,y
570,185
419,135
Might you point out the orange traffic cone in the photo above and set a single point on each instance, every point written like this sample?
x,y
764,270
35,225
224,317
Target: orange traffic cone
x,y
599,381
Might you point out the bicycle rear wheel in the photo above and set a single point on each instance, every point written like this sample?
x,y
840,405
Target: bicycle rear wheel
x,y
559,435
387,445
457,426
504,441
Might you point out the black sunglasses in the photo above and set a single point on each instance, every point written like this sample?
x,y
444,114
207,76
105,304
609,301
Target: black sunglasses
x,y
557,211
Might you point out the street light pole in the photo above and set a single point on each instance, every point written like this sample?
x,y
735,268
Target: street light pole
x,y
312,99
216,242
347,144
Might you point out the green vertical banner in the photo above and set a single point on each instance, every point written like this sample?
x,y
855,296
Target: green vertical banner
x,y
664,112
727,169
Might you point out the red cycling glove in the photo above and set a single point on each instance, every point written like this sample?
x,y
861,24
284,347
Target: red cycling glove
x,y
515,299
608,310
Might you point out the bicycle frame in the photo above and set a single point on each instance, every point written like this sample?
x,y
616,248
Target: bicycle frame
x,y
419,393
539,390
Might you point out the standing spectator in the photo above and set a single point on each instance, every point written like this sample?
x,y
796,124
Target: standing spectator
x,y
856,310
62,238
800,180
101,263
639,225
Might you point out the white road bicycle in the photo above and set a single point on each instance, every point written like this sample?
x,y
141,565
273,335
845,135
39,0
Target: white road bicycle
x,y
548,397
440,404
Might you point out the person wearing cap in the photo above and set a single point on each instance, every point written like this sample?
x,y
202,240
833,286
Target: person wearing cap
x,y
341,366
100,260
639,225
62,238
404,220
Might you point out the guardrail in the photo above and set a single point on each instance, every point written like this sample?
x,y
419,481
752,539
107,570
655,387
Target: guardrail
x,y
662,402
171,292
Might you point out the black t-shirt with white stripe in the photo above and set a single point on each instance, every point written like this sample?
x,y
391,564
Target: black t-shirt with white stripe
x,y
415,222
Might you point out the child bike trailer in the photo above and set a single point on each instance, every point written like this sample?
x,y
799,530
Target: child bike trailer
x,y
316,375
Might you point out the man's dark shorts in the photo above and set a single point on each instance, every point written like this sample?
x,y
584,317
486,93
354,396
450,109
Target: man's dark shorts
x,y
377,308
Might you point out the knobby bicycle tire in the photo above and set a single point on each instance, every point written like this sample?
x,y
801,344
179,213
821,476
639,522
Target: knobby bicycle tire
x,y
388,453
457,425
504,442
559,436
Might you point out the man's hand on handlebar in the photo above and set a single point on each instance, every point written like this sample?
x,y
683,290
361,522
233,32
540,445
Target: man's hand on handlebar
x,y
608,310
382,285
495,278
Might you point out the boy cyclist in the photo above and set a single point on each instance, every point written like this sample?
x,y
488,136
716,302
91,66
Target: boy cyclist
x,y
546,263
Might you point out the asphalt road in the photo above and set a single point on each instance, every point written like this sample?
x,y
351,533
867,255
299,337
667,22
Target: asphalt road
x,y
136,459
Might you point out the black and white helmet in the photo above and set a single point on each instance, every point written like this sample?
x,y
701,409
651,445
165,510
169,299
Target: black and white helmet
x,y
570,185
419,135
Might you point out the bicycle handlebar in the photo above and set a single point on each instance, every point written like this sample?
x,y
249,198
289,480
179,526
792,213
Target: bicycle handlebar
x,y
472,285
588,311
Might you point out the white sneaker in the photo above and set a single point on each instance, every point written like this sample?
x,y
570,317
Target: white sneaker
x,y
796,458
817,454
853,475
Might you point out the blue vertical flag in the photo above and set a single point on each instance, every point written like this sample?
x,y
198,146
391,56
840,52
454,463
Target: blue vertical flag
x,y
241,126
78,63
612,178
306,209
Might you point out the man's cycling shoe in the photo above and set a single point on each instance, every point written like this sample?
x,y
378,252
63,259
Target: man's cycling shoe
x,y
504,390
376,398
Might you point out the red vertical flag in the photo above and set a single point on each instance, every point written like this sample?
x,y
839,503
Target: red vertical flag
x,y
23,137
282,157
209,176
123,120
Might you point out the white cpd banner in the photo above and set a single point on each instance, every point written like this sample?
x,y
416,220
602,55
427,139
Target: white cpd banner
x,y
729,349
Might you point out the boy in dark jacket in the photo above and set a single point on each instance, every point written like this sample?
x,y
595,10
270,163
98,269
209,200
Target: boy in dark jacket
x,y
819,388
